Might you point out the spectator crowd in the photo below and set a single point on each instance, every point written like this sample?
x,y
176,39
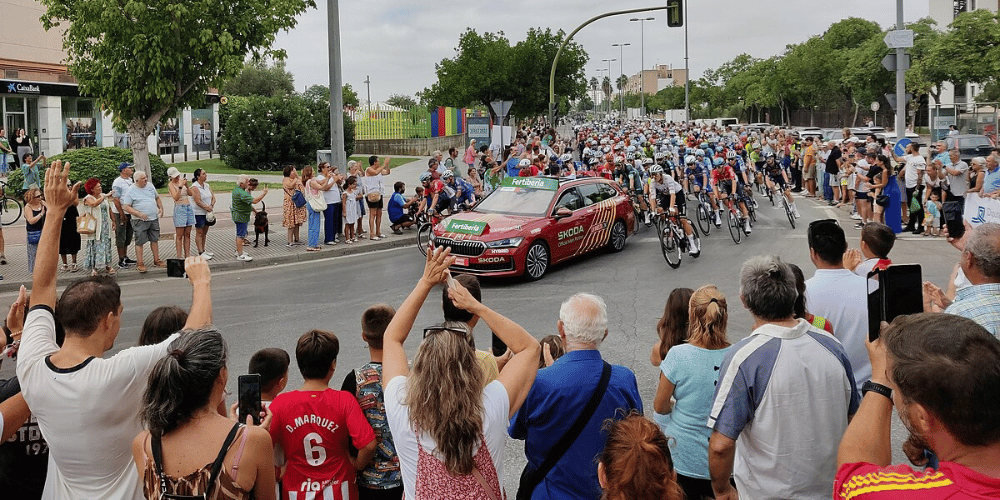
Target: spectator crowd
x,y
799,408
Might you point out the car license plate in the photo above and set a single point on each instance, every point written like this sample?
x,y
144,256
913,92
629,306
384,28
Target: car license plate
x,y
461,261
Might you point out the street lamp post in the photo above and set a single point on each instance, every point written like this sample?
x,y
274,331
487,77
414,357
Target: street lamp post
x,y
600,82
621,64
609,61
642,59
368,84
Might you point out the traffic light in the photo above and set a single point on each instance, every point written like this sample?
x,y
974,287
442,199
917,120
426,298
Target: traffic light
x,y
675,13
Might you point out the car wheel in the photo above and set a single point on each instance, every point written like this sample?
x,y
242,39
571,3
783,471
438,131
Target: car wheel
x,y
536,261
616,240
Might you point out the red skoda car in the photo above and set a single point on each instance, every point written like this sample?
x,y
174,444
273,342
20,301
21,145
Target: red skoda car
x,y
530,223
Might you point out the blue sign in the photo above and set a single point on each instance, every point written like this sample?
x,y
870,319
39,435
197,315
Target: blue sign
x,y
900,147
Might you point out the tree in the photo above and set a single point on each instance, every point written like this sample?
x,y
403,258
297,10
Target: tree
x,y
607,88
970,49
487,68
260,79
322,93
621,83
318,99
149,59
277,130
401,101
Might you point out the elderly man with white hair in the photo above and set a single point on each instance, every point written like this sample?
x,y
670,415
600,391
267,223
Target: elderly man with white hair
x,y
143,204
562,417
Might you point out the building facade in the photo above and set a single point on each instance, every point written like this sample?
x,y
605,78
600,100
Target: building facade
x,y
654,80
40,96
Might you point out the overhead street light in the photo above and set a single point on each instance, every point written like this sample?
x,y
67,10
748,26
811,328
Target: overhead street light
x,y
612,83
621,65
642,59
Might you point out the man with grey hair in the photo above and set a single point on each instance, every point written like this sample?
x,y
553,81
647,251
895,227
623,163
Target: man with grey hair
x,y
143,204
578,382
980,263
241,208
783,397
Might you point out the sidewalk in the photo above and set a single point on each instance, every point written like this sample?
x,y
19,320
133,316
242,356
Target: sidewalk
x,y
221,237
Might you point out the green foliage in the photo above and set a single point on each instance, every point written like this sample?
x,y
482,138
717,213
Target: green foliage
x,y
96,162
318,100
275,130
256,78
487,67
401,101
971,47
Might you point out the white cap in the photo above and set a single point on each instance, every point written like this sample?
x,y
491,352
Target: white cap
x,y
524,163
173,172
863,163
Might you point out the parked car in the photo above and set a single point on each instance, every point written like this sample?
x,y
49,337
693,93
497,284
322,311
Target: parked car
x,y
970,145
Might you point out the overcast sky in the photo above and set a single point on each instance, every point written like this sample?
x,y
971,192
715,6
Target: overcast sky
x,y
397,42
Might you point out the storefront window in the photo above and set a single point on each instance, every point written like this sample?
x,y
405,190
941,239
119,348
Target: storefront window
x,y
202,135
81,126
169,136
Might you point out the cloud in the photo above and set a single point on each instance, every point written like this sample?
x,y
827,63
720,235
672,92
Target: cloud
x,y
397,42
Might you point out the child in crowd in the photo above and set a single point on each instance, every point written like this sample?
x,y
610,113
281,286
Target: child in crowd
x,y
552,349
932,213
272,366
877,240
381,479
351,213
314,425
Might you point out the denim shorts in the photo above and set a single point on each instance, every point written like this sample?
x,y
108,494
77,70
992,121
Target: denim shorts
x,y
241,229
183,216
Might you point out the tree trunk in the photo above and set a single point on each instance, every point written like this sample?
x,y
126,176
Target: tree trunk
x,y
138,132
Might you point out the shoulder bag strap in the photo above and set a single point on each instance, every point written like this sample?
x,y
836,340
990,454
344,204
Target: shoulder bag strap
x,y
158,462
482,482
217,465
531,480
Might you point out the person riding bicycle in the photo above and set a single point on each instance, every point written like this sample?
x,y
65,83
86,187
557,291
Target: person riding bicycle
x,y
437,197
696,181
776,177
725,184
462,188
666,193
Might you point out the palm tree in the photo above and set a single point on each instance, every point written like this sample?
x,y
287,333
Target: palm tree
x,y
622,82
607,88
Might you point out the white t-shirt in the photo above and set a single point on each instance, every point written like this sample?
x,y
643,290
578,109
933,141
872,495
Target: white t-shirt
x,y
496,409
118,188
840,296
89,414
915,166
372,184
331,195
205,192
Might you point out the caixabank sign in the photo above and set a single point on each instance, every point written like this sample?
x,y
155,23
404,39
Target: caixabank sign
x,y
36,88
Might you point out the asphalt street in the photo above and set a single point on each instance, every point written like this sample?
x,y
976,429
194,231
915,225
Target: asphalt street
x,y
272,306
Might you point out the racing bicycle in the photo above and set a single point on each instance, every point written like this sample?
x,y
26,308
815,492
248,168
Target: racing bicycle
x,y
735,220
673,242
10,207
640,213
788,207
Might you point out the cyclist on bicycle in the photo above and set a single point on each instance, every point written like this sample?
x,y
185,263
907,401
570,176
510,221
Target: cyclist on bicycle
x,y
436,195
696,181
725,183
665,192
463,190
777,177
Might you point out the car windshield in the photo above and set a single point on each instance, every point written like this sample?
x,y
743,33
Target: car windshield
x,y
973,142
517,201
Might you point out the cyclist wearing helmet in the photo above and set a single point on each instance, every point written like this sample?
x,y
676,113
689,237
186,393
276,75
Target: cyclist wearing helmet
x,y
777,177
725,182
436,195
696,180
463,190
666,194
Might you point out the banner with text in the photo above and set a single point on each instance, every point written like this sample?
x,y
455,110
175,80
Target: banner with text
x,y
979,210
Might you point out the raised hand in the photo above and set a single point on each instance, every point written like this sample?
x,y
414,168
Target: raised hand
x,y
58,196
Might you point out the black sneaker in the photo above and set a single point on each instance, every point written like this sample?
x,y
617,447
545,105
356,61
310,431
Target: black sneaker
x,y
129,261
123,264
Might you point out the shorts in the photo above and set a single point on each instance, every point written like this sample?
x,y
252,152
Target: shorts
x,y
199,221
861,195
146,231
832,180
680,201
374,205
123,231
778,181
808,171
402,220
241,229
183,216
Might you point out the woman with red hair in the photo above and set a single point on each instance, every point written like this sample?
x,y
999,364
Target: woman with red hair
x,y
636,462
97,243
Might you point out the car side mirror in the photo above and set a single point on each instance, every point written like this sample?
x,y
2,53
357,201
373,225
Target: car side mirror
x,y
562,213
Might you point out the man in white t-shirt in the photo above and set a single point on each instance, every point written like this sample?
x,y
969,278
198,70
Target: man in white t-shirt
x,y
913,179
87,406
121,219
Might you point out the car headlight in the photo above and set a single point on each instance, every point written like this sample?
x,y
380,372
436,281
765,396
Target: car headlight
x,y
505,243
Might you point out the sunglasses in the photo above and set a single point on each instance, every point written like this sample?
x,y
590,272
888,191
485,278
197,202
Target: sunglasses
x,y
438,329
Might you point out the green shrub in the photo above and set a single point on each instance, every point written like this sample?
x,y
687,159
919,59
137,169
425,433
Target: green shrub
x,y
272,130
94,162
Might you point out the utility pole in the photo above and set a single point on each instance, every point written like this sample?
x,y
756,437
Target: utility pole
x,y
687,71
621,65
368,84
642,60
337,153
900,78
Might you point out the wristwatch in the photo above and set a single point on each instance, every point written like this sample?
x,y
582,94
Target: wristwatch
x,y
877,388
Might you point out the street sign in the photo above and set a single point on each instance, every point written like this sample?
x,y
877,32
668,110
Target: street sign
x,y
675,13
892,99
890,63
900,147
899,39
874,106
501,108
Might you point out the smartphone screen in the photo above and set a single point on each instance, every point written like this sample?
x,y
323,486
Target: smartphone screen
x,y
874,305
248,387
903,291
953,217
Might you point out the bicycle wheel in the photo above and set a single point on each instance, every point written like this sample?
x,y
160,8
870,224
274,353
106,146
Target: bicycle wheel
x,y
788,211
10,210
424,237
704,219
733,221
668,245
770,196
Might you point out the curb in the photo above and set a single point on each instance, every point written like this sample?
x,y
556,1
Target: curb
x,y
156,273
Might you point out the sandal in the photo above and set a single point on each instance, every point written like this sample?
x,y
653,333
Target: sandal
x,y
313,249
141,268
63,267
73,267
111,271
3,259
93,273
382,236
159,263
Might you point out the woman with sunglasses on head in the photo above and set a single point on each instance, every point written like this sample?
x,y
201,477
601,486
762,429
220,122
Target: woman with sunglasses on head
x,y
448,429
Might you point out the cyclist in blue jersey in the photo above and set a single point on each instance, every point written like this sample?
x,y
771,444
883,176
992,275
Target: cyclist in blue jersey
x,y
696,181
463,190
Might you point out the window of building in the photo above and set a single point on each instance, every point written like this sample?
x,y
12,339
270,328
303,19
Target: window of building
x,y
81,123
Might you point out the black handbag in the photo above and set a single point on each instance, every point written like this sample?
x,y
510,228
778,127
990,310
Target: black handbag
x,y
530,479
882,200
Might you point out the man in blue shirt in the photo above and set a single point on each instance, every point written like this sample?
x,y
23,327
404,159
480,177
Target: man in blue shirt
x,y
463,190
559,395
397,206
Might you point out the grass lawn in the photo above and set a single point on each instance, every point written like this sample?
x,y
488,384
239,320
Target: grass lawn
x,y
215,166
217,187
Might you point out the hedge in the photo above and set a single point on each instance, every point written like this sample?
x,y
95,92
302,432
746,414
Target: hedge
x,y
93,162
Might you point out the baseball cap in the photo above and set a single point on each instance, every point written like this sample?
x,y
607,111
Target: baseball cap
x,y
124,165
173,172
863,163
524,163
